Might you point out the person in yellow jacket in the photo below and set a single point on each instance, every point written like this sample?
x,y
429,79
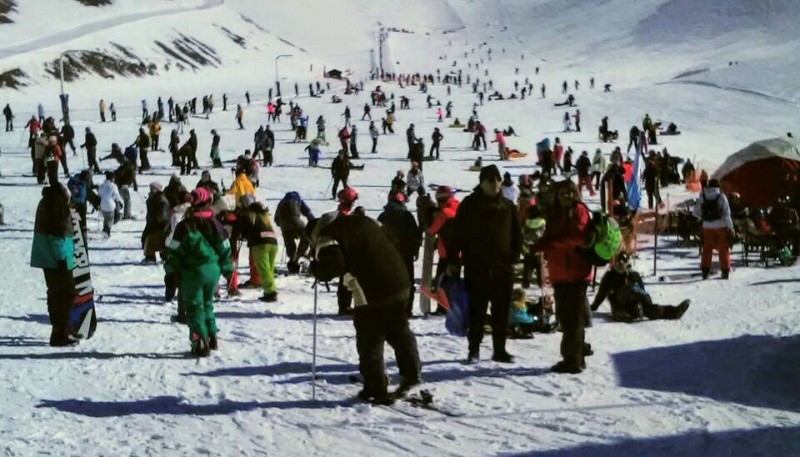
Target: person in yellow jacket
x,y
155,132
241,186
255,225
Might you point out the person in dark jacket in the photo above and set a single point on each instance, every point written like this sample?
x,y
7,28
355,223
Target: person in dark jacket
x,y
436,141
584,168
614,178
157,224
143,143
90,143
487,234
411,139
651,179
208,184
629,301
67,137
215,139
340,169
566,232
402,224
174,192
125,177
288,216
355,246
53,251
174,146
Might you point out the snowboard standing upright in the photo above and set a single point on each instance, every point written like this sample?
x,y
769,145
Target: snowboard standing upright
x,y
83,319
429,245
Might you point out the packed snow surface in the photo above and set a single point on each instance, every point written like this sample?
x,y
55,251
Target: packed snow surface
x,y
721,381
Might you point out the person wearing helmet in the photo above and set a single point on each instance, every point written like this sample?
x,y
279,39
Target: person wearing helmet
x,y
486,232
629,301
357,249
406,233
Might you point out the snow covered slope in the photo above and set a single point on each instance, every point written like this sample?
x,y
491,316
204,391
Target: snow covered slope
x,y
721,381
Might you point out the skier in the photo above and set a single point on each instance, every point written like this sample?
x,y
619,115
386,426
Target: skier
x,y
487,234
436,140
357,248
199,254
366,114
9,115
321,129
240,115
629,301
52,251
354,142
113,110
254,224
346,115
340,170
373,133
288,216
407,235
90,143
215,149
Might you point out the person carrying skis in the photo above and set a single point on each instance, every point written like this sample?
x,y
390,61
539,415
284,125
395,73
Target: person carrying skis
x,y
200,254
53,252
626,294
254,224
487,233
356,248
408,237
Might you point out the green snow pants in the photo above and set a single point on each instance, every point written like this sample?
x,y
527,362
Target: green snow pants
x,y
264,256
197,290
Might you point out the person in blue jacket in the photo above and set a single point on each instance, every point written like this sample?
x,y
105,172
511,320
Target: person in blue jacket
x,y
53,251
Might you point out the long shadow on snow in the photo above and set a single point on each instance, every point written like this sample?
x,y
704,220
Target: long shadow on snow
x,y
21,341
777,281
268,314
759,371
44,319
773,441
169,405
61,355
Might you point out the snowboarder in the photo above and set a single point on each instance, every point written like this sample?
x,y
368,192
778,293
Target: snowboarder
x,y
52,251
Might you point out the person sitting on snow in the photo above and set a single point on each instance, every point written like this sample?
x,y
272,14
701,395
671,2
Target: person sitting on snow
x,y
624,289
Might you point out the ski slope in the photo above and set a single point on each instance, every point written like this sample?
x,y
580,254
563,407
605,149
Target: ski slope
x,y
721,381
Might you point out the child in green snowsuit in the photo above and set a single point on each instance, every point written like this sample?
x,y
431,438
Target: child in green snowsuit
x,y
199,254
255,225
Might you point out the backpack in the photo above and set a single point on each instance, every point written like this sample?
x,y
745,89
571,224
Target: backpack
x,y
604,239
710,210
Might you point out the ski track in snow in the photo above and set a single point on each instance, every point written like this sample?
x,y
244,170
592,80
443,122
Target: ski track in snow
x,y
722,381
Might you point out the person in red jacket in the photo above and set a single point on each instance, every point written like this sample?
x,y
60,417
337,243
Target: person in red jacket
x,y
441,226
567,225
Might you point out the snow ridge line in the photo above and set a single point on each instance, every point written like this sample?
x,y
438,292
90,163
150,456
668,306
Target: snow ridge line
x,y
736,89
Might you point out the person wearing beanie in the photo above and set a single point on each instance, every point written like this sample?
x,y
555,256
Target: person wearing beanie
x,y
157,224
713,209
403,226
199,253
254,224
488,241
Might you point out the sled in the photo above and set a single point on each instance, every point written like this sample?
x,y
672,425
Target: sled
x,y
514,154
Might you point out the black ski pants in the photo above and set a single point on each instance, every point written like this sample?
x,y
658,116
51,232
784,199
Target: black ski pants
x,y
60,291
572,312
484,287
374,326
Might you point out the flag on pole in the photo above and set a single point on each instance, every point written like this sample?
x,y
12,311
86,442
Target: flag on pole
x,y
634,187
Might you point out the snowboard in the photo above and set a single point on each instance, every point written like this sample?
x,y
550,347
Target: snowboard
x,y
429,246
83,319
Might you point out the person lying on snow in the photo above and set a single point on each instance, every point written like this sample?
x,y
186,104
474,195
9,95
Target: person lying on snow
x,y
629,301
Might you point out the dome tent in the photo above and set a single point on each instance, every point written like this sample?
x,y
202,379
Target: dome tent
x,y
763,171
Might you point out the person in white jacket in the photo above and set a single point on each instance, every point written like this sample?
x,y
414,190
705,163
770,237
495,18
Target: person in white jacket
x,y
109,199
510,189
598,167
713,209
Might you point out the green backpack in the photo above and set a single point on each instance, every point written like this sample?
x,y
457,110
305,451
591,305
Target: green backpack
x,y
603,240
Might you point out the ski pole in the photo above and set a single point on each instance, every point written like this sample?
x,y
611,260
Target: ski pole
x,y
314,350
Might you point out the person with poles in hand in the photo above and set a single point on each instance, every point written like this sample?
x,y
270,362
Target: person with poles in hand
x,y
487,239
340,170
356,248
629,301
200,254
